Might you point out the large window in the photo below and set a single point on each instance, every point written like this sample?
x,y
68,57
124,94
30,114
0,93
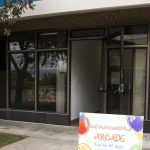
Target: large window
x,y
135,35
22,41
99,32
37,77
52,40
22,80
52,81
129,35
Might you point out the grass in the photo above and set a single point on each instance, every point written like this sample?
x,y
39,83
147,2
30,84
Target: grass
x,y
6,139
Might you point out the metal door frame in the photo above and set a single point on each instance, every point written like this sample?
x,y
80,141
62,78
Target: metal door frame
x,y
134,47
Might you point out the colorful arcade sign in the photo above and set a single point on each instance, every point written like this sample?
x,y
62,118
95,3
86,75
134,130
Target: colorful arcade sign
x,y
110,132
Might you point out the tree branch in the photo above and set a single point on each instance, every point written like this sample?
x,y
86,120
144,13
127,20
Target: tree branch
x,y
14,63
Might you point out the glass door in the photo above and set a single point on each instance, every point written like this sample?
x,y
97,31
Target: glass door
x,y
139,81
126,81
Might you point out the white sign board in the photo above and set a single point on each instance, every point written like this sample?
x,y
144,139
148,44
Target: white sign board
x,y
110,132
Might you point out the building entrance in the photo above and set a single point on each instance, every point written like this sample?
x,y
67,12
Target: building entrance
x,y
126,80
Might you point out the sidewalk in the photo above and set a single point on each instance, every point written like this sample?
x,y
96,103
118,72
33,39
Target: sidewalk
x,y
46,137
41,136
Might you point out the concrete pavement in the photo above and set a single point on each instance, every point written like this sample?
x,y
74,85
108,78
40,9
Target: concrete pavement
x,y
40,136
46,137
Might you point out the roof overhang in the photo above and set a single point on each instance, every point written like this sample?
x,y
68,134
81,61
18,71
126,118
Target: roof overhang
x,y
59,7
98,18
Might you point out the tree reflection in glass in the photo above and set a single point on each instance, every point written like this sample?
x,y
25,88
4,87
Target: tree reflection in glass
x,y
22,80
52,81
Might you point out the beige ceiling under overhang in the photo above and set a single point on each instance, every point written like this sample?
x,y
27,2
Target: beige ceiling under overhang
x,y
87,20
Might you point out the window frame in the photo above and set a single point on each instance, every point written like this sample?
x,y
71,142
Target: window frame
x,y
35,52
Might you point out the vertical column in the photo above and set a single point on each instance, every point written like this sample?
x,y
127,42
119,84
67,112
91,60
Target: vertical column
x,y
36,86
121,86
7,75
69,76
36,71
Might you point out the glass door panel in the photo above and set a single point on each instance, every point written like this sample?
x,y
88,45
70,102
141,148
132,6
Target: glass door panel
x,y
114,68
126,81
120,78
139,81
127,94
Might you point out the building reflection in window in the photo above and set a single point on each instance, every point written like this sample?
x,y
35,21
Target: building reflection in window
x,y
136,35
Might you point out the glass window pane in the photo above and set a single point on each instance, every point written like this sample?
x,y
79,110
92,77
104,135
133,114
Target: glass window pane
x,y
114,58
139,82
22,41
115,77
52,40
127,84
22,81
88,33
135,35
114,36
53,81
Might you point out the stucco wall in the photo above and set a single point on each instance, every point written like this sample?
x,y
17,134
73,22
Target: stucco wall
x,y
53,7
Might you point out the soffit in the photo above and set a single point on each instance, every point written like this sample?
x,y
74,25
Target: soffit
x,y
87,20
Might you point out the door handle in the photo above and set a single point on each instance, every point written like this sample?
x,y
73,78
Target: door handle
x,y
117,90
120,89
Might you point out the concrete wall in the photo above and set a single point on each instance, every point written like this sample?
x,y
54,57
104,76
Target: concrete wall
x,y
53,7
85,77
